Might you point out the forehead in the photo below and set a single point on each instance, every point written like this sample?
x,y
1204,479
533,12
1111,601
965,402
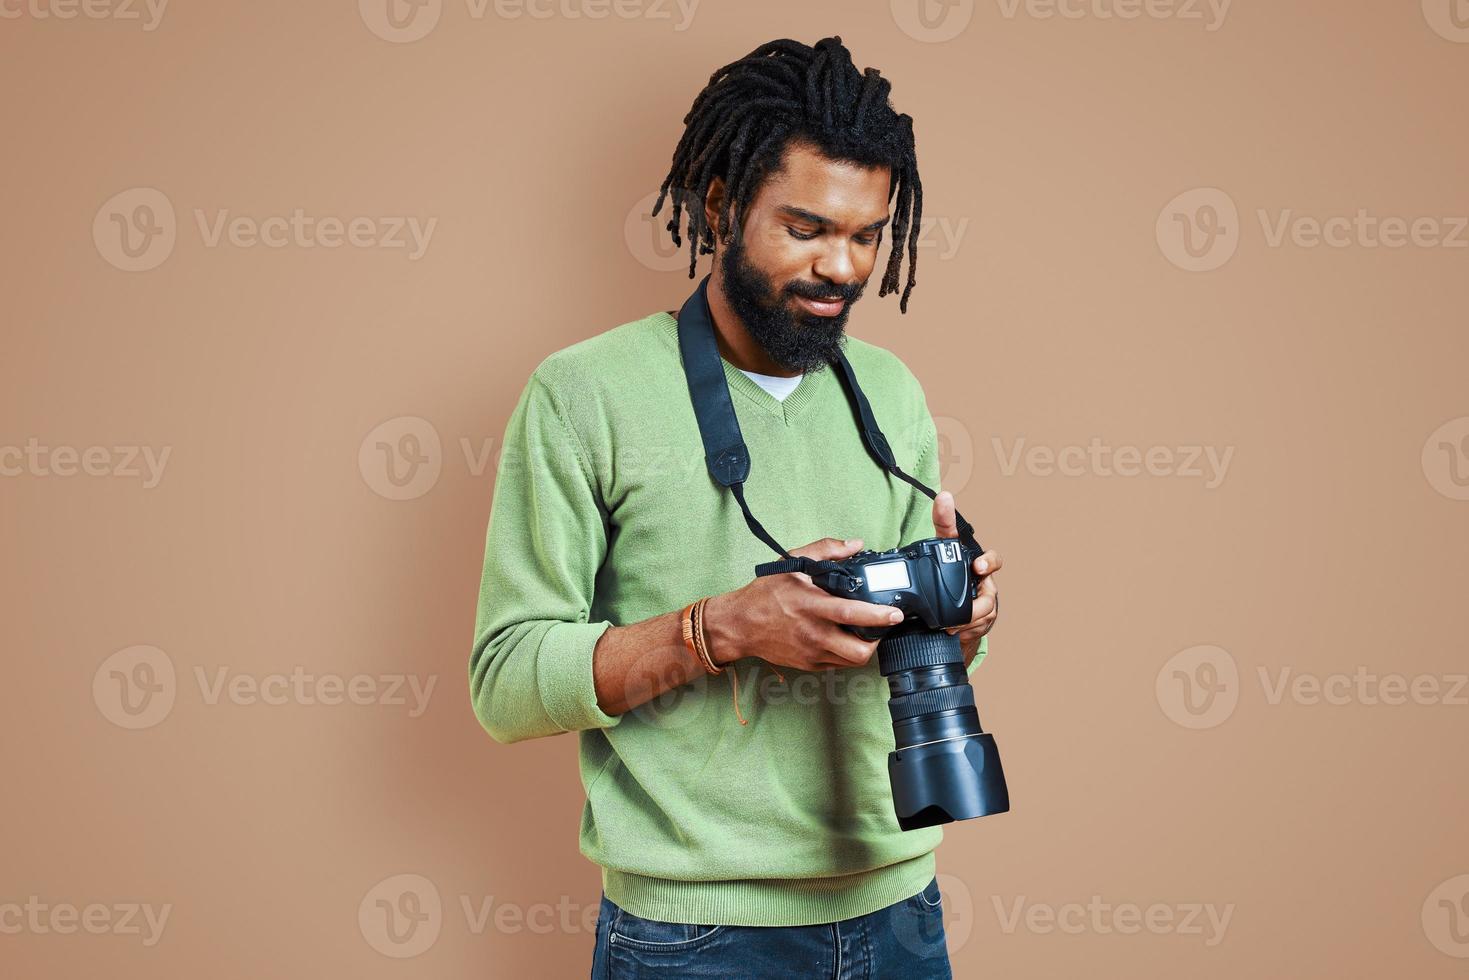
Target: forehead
x,y
844,191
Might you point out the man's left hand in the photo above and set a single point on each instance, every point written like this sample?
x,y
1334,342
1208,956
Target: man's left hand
x,y
987,603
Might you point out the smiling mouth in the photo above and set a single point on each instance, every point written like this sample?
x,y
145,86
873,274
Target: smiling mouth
x,y
822,307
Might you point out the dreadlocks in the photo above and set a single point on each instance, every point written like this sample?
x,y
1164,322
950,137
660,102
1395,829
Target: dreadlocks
x,y
784,92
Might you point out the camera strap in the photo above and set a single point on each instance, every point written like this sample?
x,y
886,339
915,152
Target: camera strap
x,y
725,452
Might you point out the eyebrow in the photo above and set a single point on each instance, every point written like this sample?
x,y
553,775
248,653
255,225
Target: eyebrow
x,y
816,219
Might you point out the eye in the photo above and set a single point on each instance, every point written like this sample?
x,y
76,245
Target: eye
x,y
866,239
796,234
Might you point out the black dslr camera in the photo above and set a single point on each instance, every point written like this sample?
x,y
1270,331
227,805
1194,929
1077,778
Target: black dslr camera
x,y
931,581
944,767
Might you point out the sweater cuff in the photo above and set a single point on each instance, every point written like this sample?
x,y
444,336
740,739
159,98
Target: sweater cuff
x,y
564,675
984,648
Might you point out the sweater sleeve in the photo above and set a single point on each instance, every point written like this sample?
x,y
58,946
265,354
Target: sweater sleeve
x,y
918,521
530,669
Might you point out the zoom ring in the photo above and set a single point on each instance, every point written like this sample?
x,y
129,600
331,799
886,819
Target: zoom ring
x,y
930,701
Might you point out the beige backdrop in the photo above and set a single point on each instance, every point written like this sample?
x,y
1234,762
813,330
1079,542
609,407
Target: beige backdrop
x,y
1190,314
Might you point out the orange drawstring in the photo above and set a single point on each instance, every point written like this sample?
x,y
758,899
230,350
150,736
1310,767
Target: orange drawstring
x,y
734,680
692,625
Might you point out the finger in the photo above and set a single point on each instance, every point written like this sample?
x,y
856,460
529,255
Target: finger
x,y
988,563
944,525
973,634
984,610
846,649
854,612
988,586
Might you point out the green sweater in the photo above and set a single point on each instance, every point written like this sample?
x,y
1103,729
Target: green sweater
x,y
603,513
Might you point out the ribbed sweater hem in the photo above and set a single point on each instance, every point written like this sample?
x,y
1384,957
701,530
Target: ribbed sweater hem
x,y
768,901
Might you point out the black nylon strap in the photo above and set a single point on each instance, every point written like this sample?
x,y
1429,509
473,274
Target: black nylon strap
x,y
725,453
878,446
797,563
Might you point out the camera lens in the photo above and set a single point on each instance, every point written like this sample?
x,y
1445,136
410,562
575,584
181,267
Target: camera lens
x,y
944,767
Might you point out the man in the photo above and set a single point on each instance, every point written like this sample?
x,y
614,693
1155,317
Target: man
x,y
732,846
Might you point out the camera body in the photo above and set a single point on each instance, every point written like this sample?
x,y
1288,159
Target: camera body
x,y
932,581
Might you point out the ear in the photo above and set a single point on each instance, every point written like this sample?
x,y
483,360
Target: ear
x,y
713,201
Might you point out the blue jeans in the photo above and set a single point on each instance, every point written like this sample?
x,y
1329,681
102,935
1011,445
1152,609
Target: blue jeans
x,y
904,941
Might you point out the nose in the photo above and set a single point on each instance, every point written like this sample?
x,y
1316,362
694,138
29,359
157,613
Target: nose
x,y
834,264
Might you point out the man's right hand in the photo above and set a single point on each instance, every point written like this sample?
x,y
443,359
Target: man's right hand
x,y
789,621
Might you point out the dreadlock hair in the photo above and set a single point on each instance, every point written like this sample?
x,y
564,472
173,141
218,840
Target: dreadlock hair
x,y
780,93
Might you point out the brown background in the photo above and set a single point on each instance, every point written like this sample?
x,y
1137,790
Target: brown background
x,y
1050,147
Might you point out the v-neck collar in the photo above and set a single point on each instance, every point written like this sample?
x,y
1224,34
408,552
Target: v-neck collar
x,y
787,409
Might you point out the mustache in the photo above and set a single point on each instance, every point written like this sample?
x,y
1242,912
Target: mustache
x,y
825,293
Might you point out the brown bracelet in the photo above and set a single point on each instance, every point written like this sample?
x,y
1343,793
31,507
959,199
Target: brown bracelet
x,y
701,642
693,635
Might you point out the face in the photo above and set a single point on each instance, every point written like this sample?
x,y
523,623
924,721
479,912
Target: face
x,y
810,243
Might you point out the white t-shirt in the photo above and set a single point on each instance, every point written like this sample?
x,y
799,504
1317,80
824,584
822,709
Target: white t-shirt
x,y
776,385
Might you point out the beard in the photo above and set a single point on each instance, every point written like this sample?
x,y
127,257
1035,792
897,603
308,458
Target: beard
x,y
794,338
